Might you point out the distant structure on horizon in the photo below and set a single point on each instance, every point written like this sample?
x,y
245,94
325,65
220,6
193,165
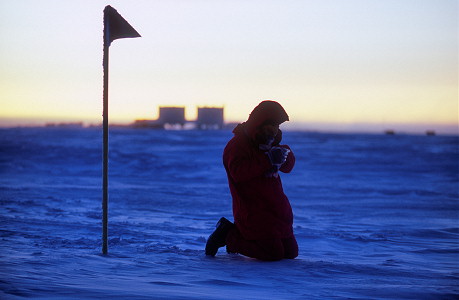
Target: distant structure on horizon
x,y
210,118
174,117
171,115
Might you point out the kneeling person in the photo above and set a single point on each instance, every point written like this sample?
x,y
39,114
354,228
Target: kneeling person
x,y
262,213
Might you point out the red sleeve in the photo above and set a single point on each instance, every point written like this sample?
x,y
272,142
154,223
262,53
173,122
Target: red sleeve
x,y
290,162
244,164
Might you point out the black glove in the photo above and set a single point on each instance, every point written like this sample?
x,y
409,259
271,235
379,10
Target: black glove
x,y
278,156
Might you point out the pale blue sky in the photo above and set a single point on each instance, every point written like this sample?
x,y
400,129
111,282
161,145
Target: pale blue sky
x,y
341,63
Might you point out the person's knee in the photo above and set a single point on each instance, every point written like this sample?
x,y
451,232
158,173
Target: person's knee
x,y
272,250
290,247
291,255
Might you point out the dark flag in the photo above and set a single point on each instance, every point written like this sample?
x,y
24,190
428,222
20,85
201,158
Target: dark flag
x,y
115,27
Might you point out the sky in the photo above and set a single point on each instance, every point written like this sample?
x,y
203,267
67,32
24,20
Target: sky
x,y
337,65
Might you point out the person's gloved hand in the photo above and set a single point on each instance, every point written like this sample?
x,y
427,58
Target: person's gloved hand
x,y
278,156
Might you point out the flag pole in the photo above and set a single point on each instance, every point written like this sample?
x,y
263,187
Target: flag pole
x,y
105,142
115,27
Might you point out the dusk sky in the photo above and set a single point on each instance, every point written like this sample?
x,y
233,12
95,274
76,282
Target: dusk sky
x,y
344,65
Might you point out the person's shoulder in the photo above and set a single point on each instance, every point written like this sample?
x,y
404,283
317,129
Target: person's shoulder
x,y
237,143
233,141
239,138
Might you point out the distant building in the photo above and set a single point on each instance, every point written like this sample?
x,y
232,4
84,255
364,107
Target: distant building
x,y
154,124
65,125
210,118
389,132
174,117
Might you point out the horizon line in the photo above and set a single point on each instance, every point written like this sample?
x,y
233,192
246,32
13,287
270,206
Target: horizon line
x,y
305,126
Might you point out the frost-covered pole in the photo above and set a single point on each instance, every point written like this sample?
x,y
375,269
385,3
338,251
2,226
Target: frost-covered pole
x,y
115,27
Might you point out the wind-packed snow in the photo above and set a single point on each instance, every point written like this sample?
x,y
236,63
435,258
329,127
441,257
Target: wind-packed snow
x,y
376,217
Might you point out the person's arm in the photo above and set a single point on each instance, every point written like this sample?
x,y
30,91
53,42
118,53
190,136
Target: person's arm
x,y
242,166
290,162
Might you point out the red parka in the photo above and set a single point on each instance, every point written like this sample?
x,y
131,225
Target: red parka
x,y
261,210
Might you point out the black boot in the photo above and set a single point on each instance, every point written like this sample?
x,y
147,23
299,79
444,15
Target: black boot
x,y
218,238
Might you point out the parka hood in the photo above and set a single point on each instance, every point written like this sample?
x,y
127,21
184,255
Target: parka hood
x,y
266,111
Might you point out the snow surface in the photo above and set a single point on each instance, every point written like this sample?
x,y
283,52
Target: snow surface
x,y
376,217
